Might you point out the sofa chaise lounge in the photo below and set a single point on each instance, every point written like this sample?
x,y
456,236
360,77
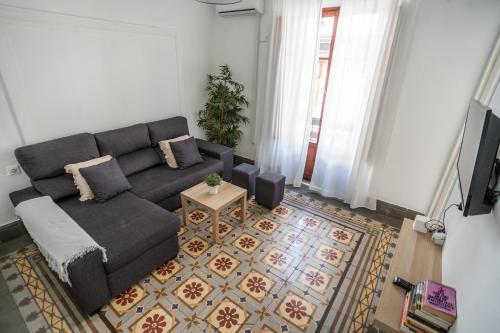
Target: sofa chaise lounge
x,y
136,227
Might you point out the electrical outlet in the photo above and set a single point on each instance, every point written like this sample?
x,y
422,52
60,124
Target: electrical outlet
x,y
13,170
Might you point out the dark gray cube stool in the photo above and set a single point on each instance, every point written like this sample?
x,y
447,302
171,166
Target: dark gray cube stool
x,y
244,176
270,188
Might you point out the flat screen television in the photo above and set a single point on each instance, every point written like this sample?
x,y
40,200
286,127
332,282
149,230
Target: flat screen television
x,y
477,163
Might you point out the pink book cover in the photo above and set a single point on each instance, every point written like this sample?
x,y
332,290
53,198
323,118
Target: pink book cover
x,y
440,298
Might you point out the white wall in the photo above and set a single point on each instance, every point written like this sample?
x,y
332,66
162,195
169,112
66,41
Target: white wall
x,y
10,140
441,53
441,50
471,257
236,43
62,79
471,265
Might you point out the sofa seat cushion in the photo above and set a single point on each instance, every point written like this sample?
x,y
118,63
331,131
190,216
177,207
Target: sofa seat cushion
x,y
126,226
161,182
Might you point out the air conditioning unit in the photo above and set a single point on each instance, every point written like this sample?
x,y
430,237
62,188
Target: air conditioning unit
x,y
244,7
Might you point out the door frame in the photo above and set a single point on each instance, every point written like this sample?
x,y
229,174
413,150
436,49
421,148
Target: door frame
x,y
313,146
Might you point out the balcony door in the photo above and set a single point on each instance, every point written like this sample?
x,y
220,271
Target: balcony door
x,y
328,28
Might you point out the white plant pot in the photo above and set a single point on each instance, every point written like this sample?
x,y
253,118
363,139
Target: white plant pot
x,y
213,189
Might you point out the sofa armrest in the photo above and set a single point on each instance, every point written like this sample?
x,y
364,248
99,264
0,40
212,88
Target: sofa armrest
x,y
220,152
22,195
89,284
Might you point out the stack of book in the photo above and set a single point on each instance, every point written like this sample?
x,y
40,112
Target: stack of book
x,y
430,307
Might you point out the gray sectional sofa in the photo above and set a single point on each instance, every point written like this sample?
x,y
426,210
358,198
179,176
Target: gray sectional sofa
x,y
136,227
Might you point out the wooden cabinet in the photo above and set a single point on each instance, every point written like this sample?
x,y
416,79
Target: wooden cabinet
x,y
416,259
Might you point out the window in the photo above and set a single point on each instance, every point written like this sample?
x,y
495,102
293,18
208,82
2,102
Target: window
x,y
327,30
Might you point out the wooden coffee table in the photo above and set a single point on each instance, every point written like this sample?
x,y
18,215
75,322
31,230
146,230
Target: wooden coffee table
x,y
214,203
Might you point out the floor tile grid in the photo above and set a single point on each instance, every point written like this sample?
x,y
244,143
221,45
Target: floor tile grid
x,y
387,244
245,233
298,241
290,246
202,323
252,265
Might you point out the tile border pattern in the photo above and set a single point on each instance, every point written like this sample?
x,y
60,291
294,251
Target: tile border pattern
x,y
347,303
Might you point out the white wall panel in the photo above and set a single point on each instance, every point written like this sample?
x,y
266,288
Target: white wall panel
x,y
74,66
66,75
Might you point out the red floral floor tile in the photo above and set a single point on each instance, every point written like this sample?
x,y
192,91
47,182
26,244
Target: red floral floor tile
x,y
278,271
195,246
157,320
193,291
236,214
166,270
342,236
256,285
309,223
282,211
224,229
122,303
198,216
315,279
266,226
329,254
277,259
227,317
247,243
294,238
223,264
296,310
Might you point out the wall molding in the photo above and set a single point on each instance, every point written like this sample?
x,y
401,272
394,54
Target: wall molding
x,y
11,72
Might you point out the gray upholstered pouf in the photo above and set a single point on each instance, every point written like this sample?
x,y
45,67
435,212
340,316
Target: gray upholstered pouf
x,y
244,176
270,188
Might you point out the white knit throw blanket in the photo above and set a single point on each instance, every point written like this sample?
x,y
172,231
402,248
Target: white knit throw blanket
x,y
60,239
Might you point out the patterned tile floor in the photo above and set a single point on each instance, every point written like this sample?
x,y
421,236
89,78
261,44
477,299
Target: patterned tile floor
x,y
305,266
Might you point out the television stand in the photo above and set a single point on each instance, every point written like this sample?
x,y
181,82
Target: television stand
x,y
416,259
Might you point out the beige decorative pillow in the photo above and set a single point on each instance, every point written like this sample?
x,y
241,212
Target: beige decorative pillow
x,y
165,148
80,182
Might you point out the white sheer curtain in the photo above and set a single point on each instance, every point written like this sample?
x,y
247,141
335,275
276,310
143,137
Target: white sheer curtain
x,y
345,160
285,120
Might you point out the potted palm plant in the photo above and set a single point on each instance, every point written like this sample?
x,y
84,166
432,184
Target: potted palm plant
x,y
222,116
213,181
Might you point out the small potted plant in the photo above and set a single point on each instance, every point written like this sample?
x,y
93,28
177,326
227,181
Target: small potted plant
x,y
213,181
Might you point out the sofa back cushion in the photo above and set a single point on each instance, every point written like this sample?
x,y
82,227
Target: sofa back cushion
x,y
124,140
138,161
167,129
47,159
57,188
130,146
